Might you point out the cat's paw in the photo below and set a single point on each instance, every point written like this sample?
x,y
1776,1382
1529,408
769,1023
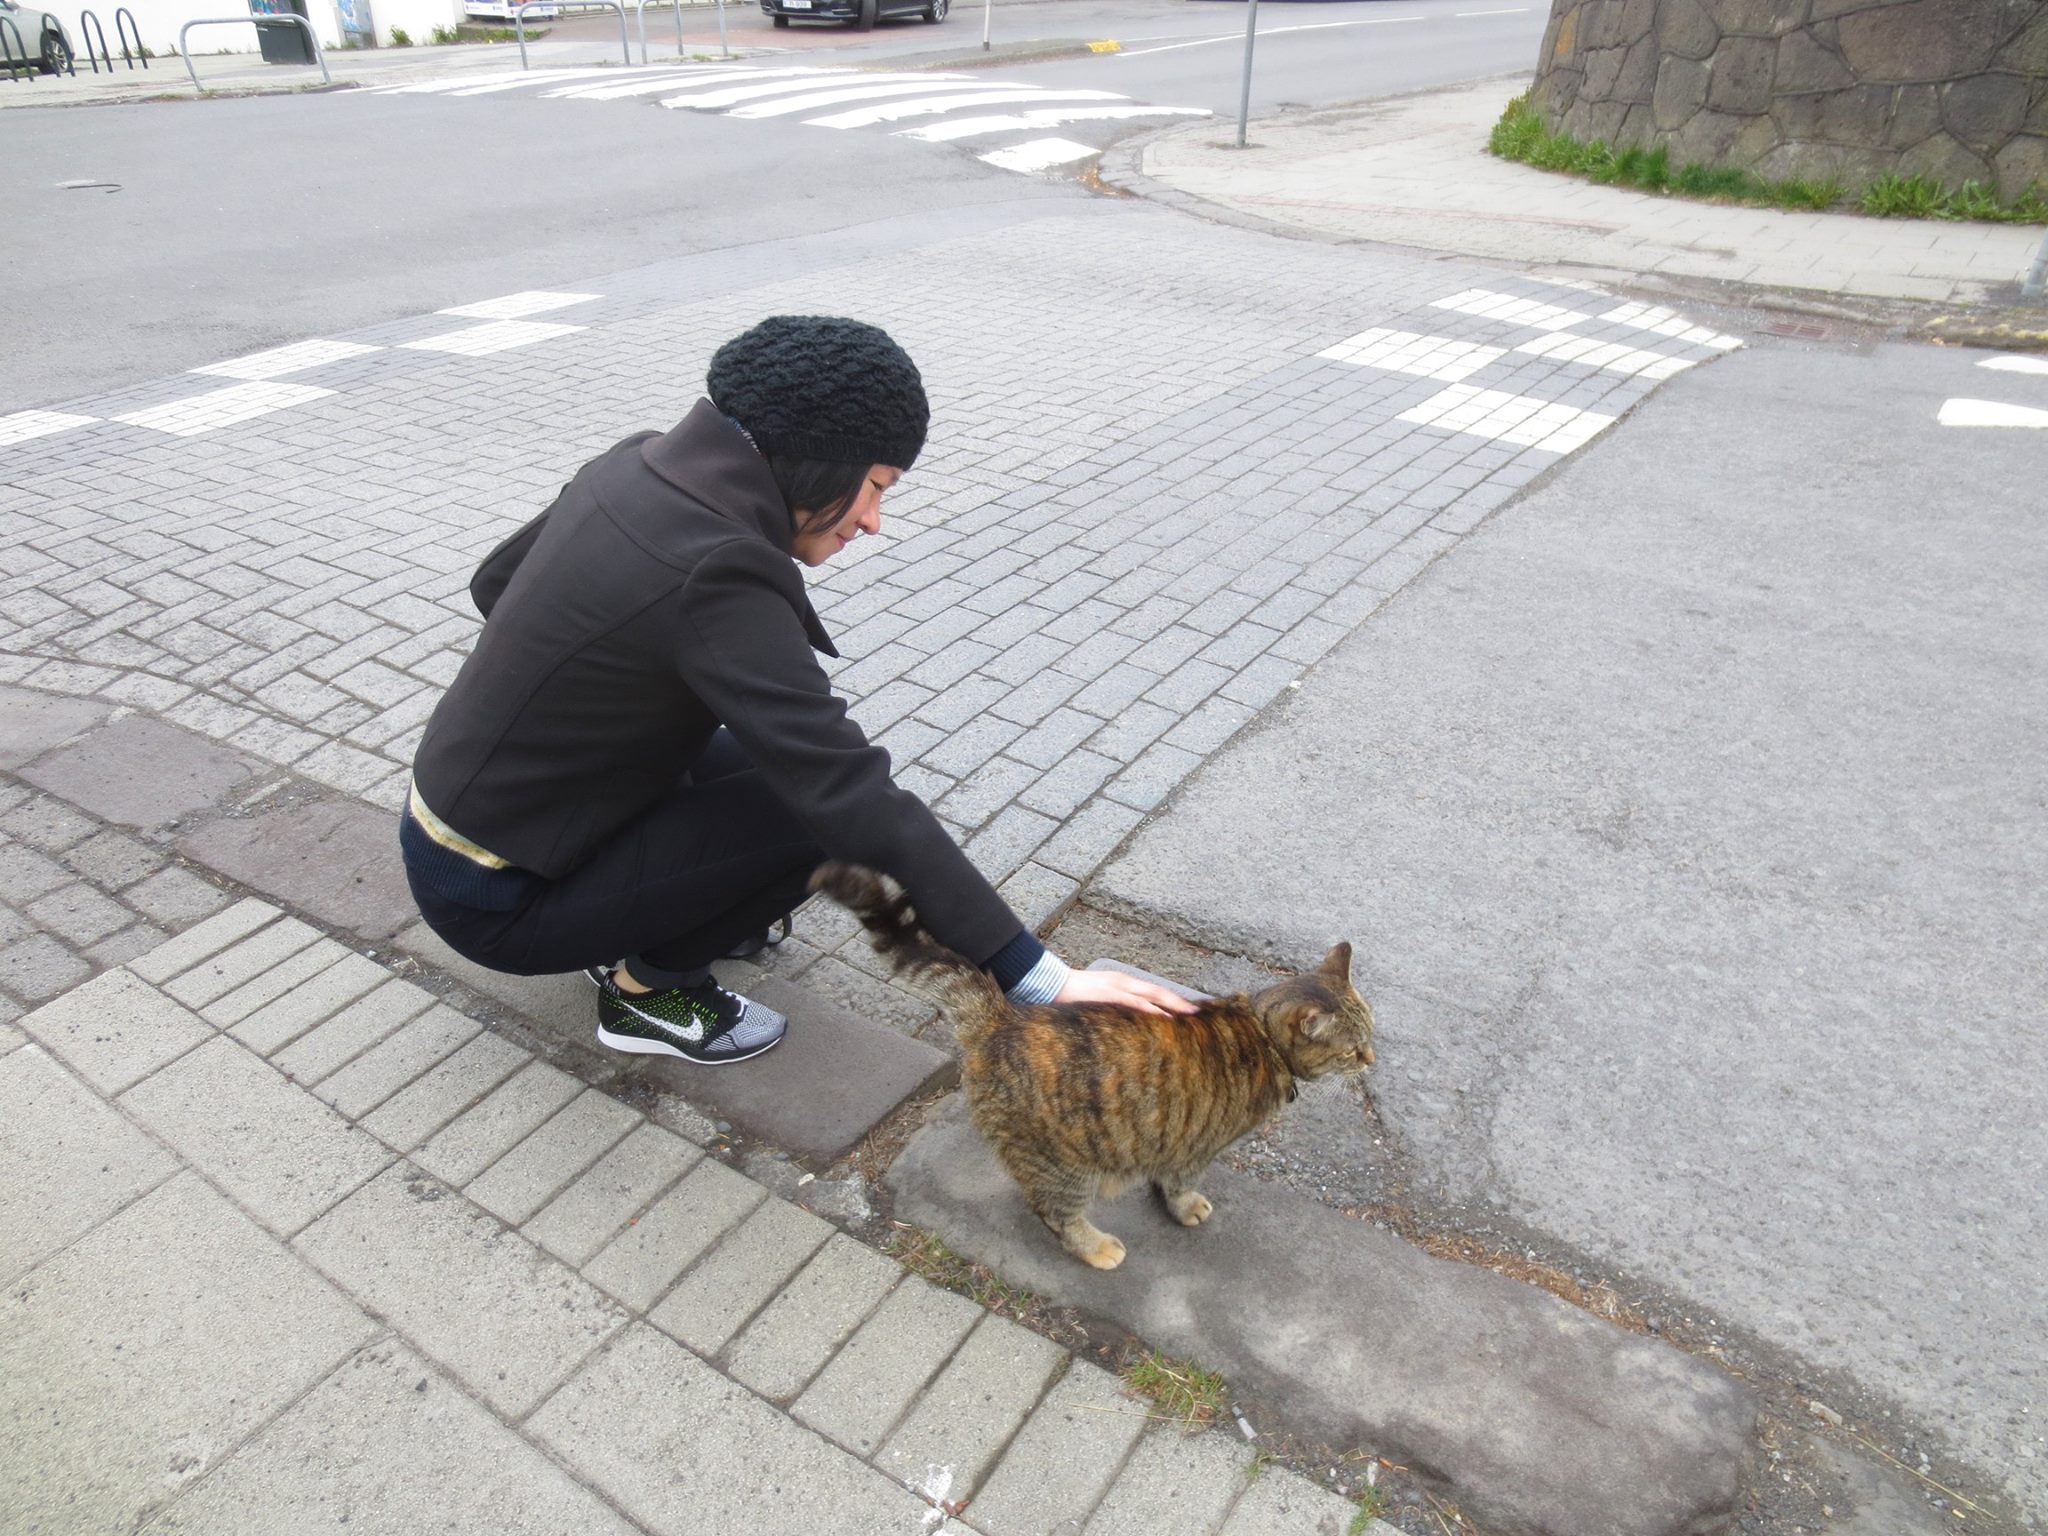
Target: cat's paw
x,y
1102,1251
1190,1207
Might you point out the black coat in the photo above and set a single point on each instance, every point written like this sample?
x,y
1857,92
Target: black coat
x,y
653,602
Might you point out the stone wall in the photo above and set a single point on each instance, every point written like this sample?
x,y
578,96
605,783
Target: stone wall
x,y
1956,90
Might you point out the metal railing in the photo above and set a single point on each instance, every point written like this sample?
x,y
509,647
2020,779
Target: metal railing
x,y
87,25
54,31
312,39
124,23
625,43
14,52
640,11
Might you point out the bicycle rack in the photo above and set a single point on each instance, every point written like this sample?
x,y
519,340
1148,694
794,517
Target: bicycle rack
x,y
14,52
625,43
50,28
312,38
124,23
640,9
87,25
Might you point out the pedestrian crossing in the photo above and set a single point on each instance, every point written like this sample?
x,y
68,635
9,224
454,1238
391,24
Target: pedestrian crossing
x,y
1999,413
933,107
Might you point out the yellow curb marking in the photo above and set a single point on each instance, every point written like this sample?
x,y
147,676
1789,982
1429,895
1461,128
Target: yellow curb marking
x,y
1106,45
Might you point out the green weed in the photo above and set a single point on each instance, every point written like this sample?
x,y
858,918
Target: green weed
x,y
1370,1507
1182,1389
1901,197
923,1253
400,38
1799,193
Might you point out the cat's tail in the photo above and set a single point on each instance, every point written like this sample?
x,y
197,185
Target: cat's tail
x,y
960,987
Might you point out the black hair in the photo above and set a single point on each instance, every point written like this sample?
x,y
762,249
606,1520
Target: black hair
x,y
818,492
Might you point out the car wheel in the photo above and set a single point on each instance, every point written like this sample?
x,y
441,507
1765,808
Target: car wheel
x,y
936,11
869,9
56,54
781,21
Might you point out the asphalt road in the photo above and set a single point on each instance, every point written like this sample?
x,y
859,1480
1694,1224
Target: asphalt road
x,y
248,223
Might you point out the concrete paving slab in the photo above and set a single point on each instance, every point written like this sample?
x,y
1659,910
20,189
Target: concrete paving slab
x,y
658,1430
336,858
968,1414
141,772
204,939
514,1110
67,1160
1282,1503
108,1410
395,1061
617,1188
644,1260
739,1276
276,1024
218,975
273,983
1175,1483
115,1030
1541,1418
832,1080
870,1384
32,723
276,1149
367,1022
527,1177
1063,1459
388,1444
811,1316
436,1096
508,1321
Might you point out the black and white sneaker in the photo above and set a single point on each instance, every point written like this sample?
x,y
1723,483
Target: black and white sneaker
x,y
705,1024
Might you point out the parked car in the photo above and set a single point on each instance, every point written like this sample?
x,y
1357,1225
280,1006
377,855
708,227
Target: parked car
x,y
43,38
862,13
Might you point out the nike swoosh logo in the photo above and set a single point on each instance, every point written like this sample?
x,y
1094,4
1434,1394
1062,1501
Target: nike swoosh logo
x,y
693,1031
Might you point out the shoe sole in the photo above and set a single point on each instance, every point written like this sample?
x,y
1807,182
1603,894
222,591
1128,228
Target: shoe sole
x,y
639,1046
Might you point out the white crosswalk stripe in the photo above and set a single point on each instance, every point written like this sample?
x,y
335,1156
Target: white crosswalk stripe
x,y
842,99
929,106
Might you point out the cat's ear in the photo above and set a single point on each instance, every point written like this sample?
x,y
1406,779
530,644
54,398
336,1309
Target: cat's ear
x,y
1318,1023
1337,964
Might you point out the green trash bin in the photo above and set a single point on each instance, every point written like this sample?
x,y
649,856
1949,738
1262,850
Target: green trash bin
x,y
282,42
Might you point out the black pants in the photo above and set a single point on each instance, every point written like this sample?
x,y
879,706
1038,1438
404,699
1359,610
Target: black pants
x,y
718,860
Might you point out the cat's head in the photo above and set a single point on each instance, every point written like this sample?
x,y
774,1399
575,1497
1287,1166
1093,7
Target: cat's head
x,y
1318,1021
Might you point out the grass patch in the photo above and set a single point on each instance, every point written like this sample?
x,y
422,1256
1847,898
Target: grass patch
x,y
1520,135
924,1254
1184,1392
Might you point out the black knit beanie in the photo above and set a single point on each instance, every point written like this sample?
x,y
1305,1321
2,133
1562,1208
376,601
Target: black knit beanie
x,y
822,387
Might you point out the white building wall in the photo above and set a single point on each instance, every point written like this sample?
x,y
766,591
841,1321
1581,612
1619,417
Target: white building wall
x,y
159,21
417,18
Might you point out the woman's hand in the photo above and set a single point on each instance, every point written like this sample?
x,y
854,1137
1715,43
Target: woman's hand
x,y
1122,990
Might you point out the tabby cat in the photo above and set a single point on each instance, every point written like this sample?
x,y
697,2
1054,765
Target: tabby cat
x,y
1083,1099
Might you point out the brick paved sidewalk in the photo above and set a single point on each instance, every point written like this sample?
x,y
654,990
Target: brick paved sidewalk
x,y
288,1243
1414,171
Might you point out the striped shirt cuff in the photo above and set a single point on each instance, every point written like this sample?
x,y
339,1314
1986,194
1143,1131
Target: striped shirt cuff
x,y
1042,983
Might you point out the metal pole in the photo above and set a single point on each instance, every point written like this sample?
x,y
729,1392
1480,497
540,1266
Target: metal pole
x,y
1251,31
640,16
988,13
519,26
723,46
2037,274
